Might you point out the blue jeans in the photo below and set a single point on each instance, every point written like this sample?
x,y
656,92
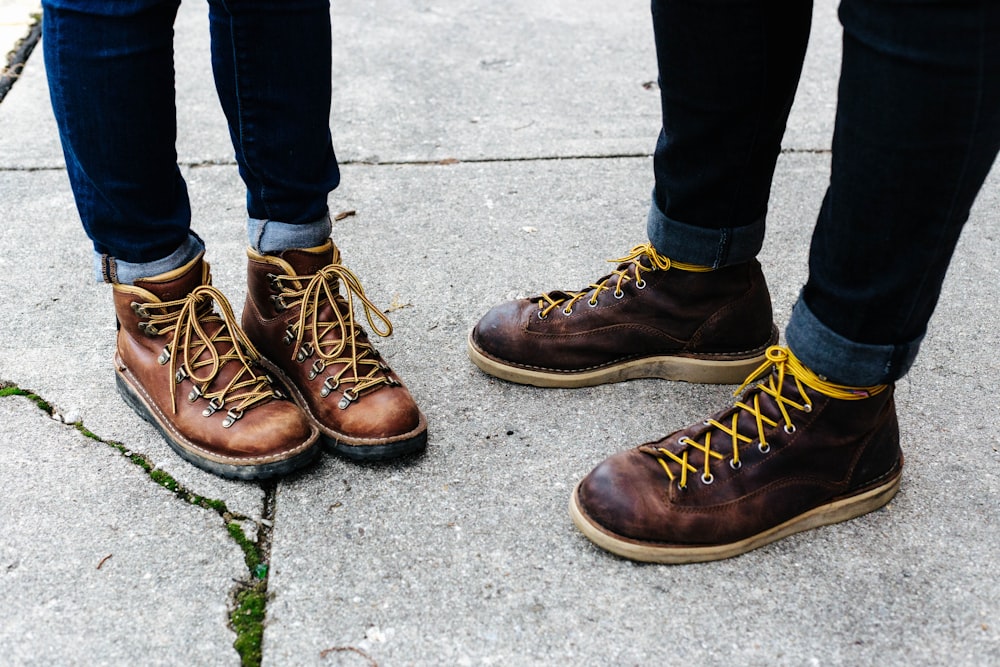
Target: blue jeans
x,y
111,81
917,130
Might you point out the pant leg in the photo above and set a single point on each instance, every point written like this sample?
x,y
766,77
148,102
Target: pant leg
x,y
728,73
272,65
917,130
110,70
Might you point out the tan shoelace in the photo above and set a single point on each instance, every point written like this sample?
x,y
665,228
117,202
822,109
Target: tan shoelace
x,y
552,300
362,367
786,366
187,319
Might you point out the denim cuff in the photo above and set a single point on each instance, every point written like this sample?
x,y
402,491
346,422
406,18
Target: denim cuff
x,y
843,361
699,245
107,269
270,237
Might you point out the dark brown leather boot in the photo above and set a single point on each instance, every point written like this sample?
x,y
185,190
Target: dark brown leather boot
x,y
794,452
191,373
649,318
306,331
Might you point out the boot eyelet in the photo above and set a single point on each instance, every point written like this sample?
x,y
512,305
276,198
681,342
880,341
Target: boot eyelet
x,y
541,315
272,280
567,312
807,407
329,386
231,418
289,335
348,398
318,367
735,465
139,309
195,394
681,488
640,284
214,405
707,479
763,447
180,375
148,329
304,353
279,303
789,428
618,294
592,303
164,357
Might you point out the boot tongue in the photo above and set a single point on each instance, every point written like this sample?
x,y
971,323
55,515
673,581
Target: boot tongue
x,y
307,261
178,283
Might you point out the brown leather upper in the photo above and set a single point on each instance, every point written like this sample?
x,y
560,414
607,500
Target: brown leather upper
x,y
723,312
838,449
382,413
268,429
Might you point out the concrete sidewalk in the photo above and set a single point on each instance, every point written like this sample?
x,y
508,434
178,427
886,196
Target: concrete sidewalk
x,y
489,150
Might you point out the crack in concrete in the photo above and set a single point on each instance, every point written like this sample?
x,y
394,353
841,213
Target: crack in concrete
x,y
444,162
248,596
19,56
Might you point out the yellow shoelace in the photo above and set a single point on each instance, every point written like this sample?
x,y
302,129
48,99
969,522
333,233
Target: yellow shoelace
x,y
187,319
361,363
552,300
785,366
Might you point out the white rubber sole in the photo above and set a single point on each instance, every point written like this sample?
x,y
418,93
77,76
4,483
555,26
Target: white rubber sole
x,y
649,552
719,369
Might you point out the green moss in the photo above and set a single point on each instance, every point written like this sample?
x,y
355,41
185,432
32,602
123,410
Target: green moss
x,y
248,623
247,618
17,391
251,555
164,479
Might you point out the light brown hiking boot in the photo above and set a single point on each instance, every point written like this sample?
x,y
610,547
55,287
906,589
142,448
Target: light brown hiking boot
x,y
649,318
793,453
190,371
303,325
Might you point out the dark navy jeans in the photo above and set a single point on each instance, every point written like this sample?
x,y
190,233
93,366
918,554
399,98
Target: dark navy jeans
x,y
917,130
111,80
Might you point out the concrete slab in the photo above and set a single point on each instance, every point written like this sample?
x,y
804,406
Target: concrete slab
x,y
467,556
60,333
100,565
428,81
16,19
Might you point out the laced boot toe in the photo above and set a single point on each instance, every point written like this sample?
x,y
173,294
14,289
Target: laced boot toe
x,y
305,328
650,317
794,452
189,370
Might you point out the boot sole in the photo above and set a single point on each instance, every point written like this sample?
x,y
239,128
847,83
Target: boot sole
x,y
192,454
651,552
357,449
706,369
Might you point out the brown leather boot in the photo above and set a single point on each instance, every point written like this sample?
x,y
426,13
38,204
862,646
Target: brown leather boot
x,y
191,373
649,318
306,331
794,452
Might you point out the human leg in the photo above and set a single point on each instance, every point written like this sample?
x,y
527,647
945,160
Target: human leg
x,y
181,360
110,70
798,450
272,70
917,130
691,304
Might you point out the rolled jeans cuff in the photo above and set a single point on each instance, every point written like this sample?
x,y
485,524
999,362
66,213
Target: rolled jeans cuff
x,y
701,245
843,361
107,269
270,237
